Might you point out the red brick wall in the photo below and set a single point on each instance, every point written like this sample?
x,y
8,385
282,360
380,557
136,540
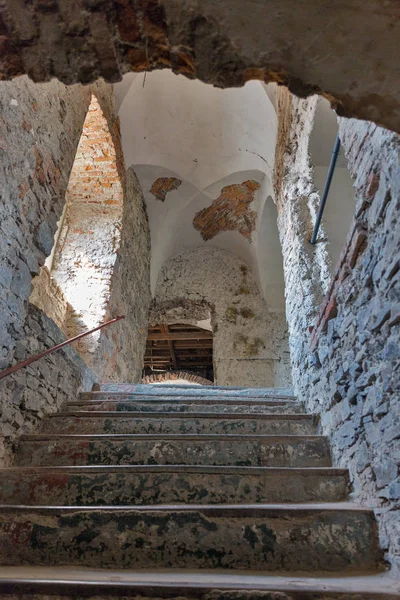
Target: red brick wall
x,y
94,177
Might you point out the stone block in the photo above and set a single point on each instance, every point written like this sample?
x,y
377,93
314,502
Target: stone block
x,y
21,281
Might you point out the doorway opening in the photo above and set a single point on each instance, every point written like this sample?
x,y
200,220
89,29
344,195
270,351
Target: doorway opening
x,y
179,348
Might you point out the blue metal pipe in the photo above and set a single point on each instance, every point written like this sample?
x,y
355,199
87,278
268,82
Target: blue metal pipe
x,y
335,154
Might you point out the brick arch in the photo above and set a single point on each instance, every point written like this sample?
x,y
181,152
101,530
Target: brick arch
x,y
174,375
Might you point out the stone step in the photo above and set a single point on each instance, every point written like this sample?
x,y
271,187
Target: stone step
x,y
239,450
177,397
43,583
281,538
133,485
220,406
192,423
196,390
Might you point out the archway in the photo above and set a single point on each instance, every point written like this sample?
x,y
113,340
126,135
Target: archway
x,y
176,378
250,346
179,347
74,287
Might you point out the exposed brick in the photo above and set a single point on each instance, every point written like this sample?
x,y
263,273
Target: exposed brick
x,y
174,375
229,212
163,185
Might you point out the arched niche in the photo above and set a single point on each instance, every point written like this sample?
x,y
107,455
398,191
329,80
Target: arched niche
x,y
250,346
74,287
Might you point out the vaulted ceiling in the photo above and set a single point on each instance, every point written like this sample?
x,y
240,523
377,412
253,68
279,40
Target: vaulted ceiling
x,y
204,158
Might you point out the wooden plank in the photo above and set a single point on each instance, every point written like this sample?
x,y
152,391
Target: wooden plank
x,y
191,345
164,329
197,355
157,359
157,363
181,335
185,365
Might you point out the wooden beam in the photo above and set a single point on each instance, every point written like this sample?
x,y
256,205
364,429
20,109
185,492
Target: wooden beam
x,y
179,357
158,359
185,365
197,355
181,335
157,363
203,345
164,329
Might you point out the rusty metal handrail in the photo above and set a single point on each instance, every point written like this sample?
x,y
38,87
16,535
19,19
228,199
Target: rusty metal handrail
x,y
36,357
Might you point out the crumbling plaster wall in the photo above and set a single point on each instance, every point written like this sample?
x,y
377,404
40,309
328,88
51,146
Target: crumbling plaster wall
x,y
85,253
40,127
249,344
122,345
345,346
217,42
48,296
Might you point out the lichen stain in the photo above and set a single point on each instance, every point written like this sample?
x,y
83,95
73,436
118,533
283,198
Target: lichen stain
x,y
163,185
247,313
229,212
231,314
251,347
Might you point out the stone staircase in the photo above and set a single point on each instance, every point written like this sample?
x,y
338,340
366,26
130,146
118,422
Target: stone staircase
x,y
184,492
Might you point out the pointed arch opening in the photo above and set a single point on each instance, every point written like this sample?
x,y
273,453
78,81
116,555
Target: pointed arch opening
x,y
74,286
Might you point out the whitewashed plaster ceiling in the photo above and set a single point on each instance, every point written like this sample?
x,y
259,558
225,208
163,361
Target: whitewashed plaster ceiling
x,y
206,139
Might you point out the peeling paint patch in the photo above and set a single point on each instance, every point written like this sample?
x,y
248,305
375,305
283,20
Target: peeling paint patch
x,y
163,185
229,212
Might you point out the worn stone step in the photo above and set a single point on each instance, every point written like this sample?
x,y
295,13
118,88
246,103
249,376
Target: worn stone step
x,y
220,406
44,583
194,390
195,423
179,397
132,485
268,537
239,450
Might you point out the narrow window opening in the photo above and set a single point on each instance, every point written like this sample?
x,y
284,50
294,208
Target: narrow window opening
x,y
75,284
340,205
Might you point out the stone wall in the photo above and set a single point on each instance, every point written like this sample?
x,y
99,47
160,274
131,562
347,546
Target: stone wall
x,y
40,127
104,214
345,348
49,297
217,42
122,345
249,344
42,388
89,239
